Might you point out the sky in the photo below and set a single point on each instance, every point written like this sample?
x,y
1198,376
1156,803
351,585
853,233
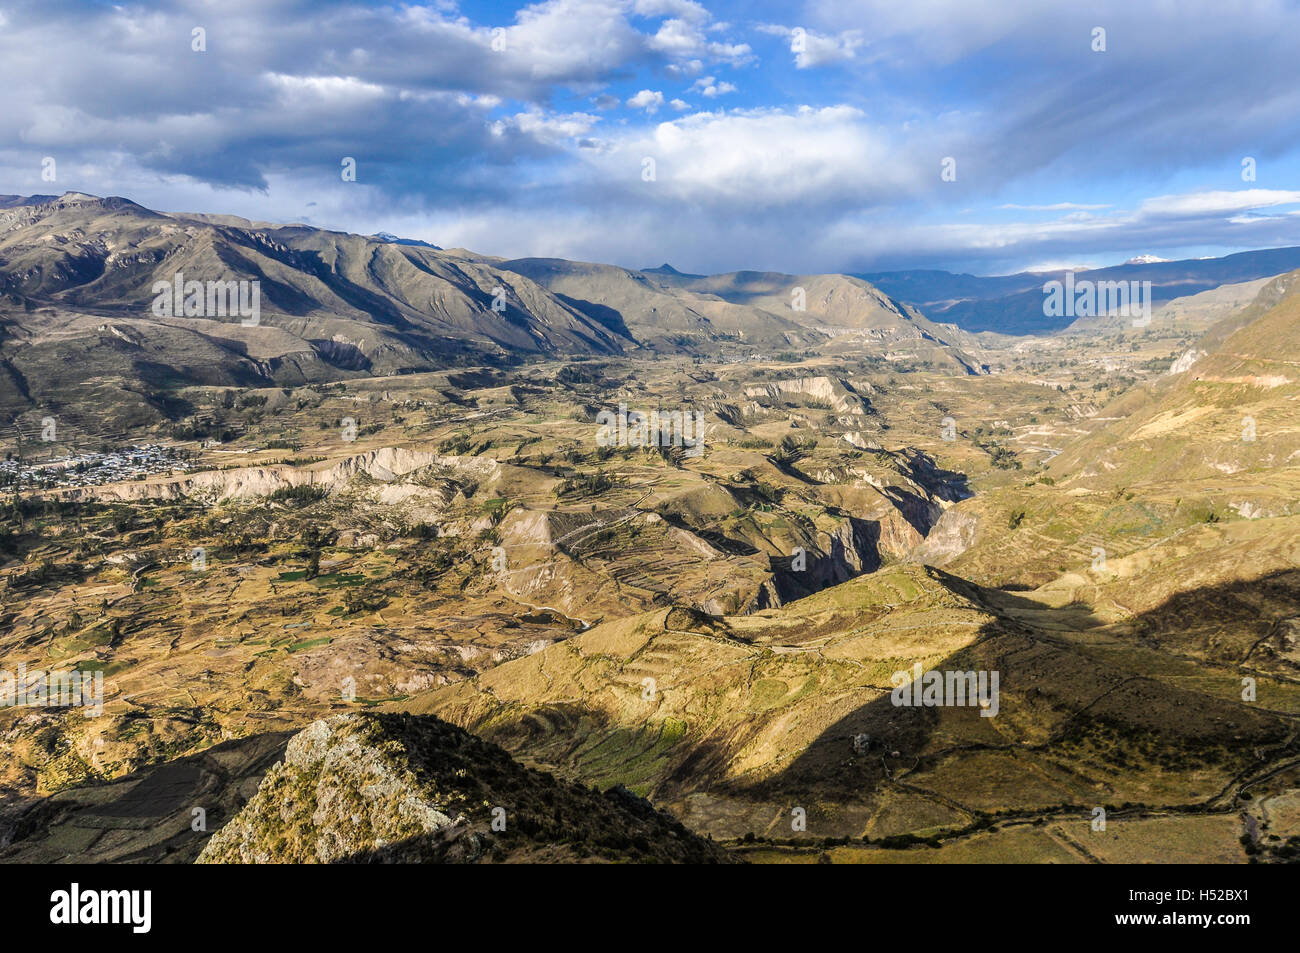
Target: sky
x,y
986,136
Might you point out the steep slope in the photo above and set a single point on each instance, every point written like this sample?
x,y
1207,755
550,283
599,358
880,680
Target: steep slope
x,y
401,789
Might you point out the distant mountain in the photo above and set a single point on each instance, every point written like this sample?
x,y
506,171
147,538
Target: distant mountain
x,y
9,201
1013,304
837,305
98,307
667,269
91,313
660,313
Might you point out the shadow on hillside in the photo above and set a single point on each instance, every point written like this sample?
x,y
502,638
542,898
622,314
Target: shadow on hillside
x,y
608,318
950,485
1103,705
844,561
1094,712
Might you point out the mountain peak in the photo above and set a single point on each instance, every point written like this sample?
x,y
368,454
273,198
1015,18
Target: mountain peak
x,y
668,271
391,239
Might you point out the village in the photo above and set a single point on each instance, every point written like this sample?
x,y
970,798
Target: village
x,y
92,468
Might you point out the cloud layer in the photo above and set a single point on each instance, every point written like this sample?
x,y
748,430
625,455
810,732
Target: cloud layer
x,y
812,138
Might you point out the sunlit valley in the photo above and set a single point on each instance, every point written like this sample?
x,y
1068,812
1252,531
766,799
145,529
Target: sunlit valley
x,y
660,543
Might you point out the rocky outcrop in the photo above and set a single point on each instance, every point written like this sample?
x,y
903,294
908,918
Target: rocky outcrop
x,y
395,788
1185,361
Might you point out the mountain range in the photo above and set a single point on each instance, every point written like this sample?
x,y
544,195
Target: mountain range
x,y
78,273
1013,304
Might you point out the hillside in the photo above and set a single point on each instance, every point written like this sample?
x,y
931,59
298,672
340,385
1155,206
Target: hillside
x,y
738,722
852,311
84,335
1181,483
662,317
720,631
1228,405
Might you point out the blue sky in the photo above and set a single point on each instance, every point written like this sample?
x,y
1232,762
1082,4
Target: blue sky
x,y
803,137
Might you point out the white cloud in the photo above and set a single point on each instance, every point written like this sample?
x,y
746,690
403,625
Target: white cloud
x,y
812,49
1167,222
333,89
689,68
763,158
551,128
709,87
648,99
681,9
559,39
685,41
680,105
1221,202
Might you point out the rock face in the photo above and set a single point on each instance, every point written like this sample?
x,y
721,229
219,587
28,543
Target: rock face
x,y
835,393
1186,361
394,788
952,535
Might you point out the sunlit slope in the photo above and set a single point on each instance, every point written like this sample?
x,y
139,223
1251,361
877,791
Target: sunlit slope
x,y
841,305
1151,500
1233,410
